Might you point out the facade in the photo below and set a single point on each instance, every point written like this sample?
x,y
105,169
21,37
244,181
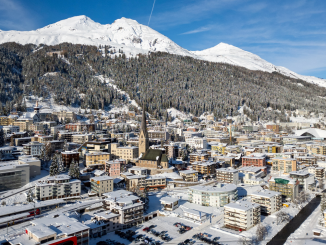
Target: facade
x,y
129,207
169,203
197,143
33,148
189,175
113,168
125,152
213,196
59,186
143,136
97,158
289,188
269,201
13,175
154,160
63,115
34,165
81,138
101,184
227,175
205,168
284,165
253,161
158,135
197,157
241,215
306,179
69,156
142,182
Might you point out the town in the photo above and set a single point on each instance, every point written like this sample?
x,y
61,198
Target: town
x,y
125,177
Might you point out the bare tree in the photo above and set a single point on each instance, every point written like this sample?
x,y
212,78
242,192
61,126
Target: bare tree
x,y
282,216
261,232
246,241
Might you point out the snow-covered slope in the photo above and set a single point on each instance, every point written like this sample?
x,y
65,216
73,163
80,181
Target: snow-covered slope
x,y
232,55
134,38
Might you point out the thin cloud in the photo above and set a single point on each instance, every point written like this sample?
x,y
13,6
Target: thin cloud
x,y
201,29
14,16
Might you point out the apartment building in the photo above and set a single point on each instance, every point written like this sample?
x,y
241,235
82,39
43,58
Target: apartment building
x,y
198,157
189,175
68,157
319,172
158,135
96,146
284,165
253,161
10,129
289,188
169,203
269,201
33,148
59,186
142,181
129,207
63,115
34,165
205,168
318,149
125,152
78,127
66,136
241,215
306,180
101,184
227,175
97,158
81,138
113,168
217,196
198,143
218,147
306,160
6,121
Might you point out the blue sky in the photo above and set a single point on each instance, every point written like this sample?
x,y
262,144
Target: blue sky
x,y
289,33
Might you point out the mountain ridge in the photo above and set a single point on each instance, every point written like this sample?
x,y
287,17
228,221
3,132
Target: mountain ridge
x,y
134,38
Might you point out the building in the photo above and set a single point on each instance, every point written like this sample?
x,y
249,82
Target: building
x,y
113,168
96,146
169,203
189,175
13,175
269,201
197,143
143,136
241,215
65,115
129,207
155,161
68,157
33,148
21,141
6,121
101,184
81,138
142,182
124,152
289,188
59,186
306,179
34,165
162,135
97,158
227,175
195,215
284,165
10,129
253,161
78,127
319,172
54,228
213,196
205,168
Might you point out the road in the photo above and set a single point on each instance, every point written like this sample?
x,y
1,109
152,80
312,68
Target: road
x,y
198,229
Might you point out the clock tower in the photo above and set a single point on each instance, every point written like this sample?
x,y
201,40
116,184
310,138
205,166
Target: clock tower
x,y
143,136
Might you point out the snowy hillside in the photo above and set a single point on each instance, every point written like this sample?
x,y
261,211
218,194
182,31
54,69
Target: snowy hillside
x,y
232,55
134,38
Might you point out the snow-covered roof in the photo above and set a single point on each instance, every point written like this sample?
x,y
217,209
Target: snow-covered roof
x,y
168,200
266,193
101,178
315,132
219,189
241,205
230,170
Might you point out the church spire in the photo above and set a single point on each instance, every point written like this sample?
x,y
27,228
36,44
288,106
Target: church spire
x,y
143,122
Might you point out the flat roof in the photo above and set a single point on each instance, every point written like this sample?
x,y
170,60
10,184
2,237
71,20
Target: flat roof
x,y
242,205
223,188
266,193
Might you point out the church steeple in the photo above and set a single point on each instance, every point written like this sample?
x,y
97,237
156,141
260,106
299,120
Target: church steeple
x,y
143,136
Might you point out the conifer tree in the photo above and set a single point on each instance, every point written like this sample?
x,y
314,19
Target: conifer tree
x,y
2,137
54,169
61,167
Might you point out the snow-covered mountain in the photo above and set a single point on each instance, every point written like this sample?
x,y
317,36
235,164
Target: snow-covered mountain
x,y
134,38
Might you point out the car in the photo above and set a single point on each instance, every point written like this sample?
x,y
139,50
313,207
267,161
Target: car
x,y
146,229
187,228
216,239
186,241
151,226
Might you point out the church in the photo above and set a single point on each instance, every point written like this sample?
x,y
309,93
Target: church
x,y
154,160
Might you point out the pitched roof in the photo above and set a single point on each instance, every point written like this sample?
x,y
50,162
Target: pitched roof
x,y
152,155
